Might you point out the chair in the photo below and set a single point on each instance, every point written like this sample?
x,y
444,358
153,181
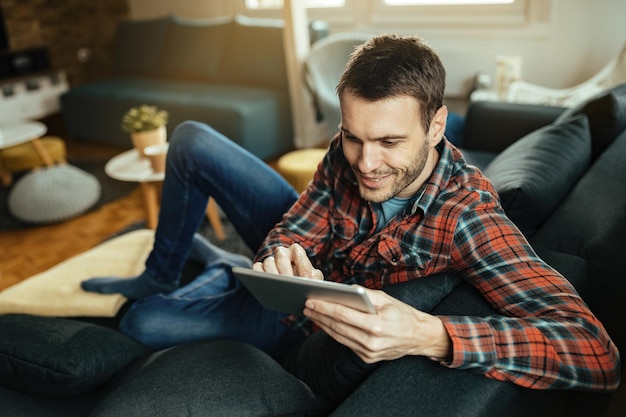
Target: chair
x,y
323,68
612,74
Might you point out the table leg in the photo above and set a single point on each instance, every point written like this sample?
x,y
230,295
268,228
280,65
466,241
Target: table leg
x,y
151,191
151,204
214,218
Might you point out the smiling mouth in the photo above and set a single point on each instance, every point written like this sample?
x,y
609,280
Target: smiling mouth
x,y
373,182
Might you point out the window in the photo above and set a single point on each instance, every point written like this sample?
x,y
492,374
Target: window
x,y
442,2
332,11
455,17
452,13
277,4
313,4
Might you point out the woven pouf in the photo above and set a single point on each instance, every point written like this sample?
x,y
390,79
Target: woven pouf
x,y
53,194
24,157
298,166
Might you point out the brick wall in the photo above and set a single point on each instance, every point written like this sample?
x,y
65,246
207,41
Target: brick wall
x,y
77,33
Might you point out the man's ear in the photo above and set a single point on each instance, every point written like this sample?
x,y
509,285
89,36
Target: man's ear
x,y
438,125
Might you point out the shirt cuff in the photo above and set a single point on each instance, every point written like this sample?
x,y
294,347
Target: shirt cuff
x,y
473,343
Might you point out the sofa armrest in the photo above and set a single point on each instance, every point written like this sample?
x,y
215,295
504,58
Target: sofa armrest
x,y
493,126
417,386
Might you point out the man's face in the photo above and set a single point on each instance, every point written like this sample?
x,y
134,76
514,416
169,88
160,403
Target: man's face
x,y
386,146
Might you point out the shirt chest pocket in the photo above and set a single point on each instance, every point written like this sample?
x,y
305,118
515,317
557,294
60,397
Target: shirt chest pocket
x,y
344,229
403,256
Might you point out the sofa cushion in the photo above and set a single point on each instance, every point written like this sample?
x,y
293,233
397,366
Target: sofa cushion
x,y
18,404
534,174
228,379
53,356
138,45
256,118
607,117
192,49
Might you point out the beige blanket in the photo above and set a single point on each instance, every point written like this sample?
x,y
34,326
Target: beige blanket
x,y
57,291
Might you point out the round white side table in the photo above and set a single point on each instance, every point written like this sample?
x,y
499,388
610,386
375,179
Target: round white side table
x,y
129,166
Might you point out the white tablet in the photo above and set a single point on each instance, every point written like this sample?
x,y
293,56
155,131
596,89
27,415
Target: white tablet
x,y
287,294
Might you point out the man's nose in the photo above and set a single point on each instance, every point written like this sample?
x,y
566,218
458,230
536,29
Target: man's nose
x,y
369,159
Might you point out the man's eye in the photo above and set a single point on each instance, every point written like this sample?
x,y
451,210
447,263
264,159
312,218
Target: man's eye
x,y
390,143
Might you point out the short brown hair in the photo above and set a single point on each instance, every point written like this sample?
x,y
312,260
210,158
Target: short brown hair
x,y
394,65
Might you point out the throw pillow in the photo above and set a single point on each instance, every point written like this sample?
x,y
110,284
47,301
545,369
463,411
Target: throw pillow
x,y
607,117
217,378
534,174
52,356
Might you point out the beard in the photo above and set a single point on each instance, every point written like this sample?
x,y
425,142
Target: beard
x,y
401,178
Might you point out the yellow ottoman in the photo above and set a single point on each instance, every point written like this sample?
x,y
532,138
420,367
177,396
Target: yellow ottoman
x,y
298,166
24,157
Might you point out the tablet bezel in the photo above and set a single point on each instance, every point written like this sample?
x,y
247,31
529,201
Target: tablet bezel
x,y
287,294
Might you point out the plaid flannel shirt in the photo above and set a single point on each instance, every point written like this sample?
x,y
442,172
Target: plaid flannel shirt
x,y
545,337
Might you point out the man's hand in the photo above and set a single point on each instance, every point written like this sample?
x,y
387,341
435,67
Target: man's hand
x,y
289,261
396,330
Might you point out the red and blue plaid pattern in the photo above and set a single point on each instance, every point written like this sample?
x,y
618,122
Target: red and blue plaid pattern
x,y
545,337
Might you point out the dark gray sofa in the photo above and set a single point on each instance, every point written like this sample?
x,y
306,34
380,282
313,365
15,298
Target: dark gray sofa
x,y
229,73
563,184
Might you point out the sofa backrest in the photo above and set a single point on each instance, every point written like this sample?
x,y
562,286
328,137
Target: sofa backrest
x,y
255,54
590,223
494,125
192,49
239,51
606,112
137,45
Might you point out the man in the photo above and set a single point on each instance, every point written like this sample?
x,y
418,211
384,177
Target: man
x,y
393,201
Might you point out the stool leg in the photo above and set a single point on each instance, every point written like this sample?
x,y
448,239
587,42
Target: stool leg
x,y
214,218
45,156
5,174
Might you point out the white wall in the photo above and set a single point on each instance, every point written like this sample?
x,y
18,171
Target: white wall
x,y
579,38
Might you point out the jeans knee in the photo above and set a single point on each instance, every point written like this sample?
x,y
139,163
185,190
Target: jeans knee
x,y
193,144
191,134
140,326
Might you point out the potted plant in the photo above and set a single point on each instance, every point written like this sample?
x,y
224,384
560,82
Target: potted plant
x,y
146,126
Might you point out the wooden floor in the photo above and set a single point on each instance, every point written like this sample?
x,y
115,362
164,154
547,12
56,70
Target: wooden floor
x,y
27,252
24,253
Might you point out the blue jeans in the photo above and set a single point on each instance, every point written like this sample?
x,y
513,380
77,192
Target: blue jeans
x,y
201,162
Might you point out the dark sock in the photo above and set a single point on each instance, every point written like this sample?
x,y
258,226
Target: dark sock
x,y
133,288
202,251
